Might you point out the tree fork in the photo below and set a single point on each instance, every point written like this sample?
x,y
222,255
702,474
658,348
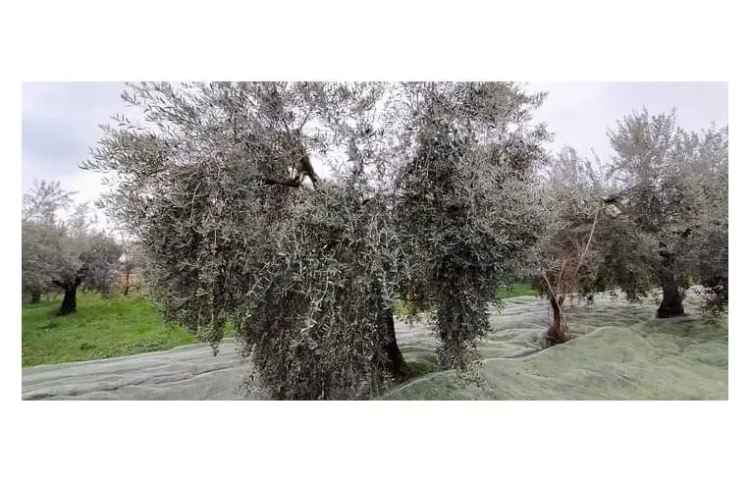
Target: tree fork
x,y
557,333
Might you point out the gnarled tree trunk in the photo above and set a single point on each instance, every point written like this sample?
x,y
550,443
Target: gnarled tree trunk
x,y
36,296
69,300
671,302
557,332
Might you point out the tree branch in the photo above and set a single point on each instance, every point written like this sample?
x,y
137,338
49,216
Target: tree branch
x,y
588,243
550,290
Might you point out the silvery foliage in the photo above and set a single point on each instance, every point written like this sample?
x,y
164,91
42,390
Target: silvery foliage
x,y
566,253
60,246
674,187
466,207
308,271
707,253
39,233
589,246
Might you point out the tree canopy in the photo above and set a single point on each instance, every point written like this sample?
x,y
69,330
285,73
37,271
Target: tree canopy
x,y
672,185
213,184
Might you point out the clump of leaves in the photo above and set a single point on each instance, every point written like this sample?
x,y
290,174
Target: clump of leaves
x,y
214,188
316,314
465,207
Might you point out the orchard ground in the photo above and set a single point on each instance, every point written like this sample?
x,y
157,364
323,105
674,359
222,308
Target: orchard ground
x,y
619,351
113,327
101,328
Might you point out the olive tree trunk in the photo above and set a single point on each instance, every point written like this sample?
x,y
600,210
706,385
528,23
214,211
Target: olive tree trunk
x,y
127,283
36,296
394,361
671,302
69,296
557,332
69,301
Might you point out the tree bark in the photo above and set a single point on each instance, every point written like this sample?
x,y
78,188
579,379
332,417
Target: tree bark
x,y
557,332
69,300
671,302
393,359
36,296
127,283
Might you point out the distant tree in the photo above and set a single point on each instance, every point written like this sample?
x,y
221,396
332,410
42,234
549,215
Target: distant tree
x,y
41,208
566,254
64,252
37,253
625,256
707,154
45,201
101,262
663,190
132,262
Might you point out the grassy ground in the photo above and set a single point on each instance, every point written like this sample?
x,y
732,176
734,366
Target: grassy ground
x,y
515,290
119,326
101,328
619,350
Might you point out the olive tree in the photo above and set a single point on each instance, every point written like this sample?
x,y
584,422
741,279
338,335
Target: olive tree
x,y
42,206
667,181
37,252
64,250
466,207
101,262
239,228
708,249
566,259
132,264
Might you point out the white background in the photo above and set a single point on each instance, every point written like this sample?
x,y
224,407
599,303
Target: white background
x,y
371,441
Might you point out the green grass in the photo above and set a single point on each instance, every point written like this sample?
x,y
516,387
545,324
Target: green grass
x,y
101,328
120,326
515,290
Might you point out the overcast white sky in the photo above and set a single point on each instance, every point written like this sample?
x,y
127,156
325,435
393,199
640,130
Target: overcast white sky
x,y
60,120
